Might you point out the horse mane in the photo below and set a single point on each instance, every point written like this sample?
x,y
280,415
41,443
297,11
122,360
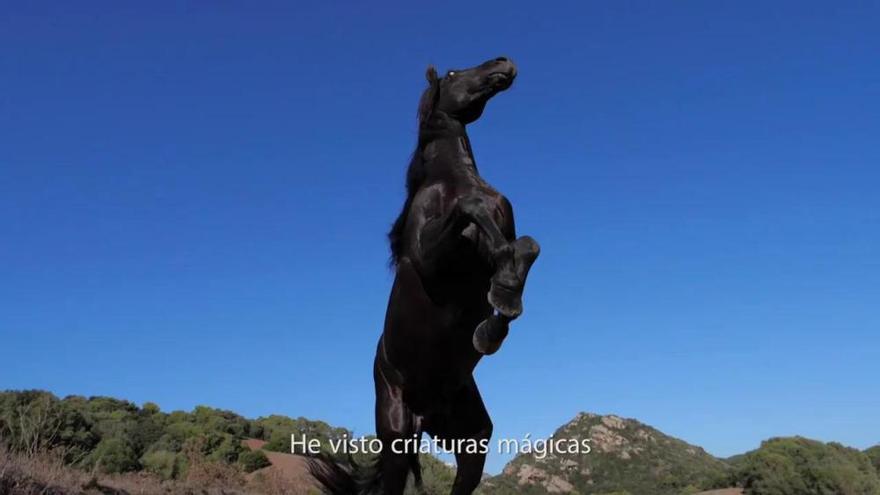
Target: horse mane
x,y
415,173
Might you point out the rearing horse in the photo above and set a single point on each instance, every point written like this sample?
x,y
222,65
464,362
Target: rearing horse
x,y
460,274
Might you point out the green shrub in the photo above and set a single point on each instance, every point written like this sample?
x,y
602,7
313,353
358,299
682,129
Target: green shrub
x,y
279,443
251,460
278,429
436,476
874,455
227,449
167,465
113,455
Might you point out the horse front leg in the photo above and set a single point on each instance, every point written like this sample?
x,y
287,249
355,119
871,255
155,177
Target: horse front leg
x,y
511,261
509,280
506,292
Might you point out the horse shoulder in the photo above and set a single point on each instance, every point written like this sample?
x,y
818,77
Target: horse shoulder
x,y
429,202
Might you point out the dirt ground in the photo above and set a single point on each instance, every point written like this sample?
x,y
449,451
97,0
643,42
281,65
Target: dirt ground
x,y
288,474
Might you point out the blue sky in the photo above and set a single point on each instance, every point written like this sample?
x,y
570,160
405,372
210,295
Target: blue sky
x,y
193,201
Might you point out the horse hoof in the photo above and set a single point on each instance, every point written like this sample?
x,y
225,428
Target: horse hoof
x,y
483,342
528,248
506,301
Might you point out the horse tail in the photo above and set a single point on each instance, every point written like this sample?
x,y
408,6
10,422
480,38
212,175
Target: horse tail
x,y
352,478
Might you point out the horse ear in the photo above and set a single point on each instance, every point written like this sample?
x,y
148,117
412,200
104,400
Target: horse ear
x,y
431,75
429,97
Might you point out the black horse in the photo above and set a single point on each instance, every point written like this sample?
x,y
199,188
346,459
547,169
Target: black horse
x,y
461,271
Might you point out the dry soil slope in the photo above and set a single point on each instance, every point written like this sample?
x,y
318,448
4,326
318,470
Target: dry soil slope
x,y
287,470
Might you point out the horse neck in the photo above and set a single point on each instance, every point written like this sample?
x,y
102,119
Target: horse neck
x,y
446,151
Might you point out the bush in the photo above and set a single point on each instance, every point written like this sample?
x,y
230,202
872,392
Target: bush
x,y
226,450
251,460
166,465
278,429
113,455
279,443
874,454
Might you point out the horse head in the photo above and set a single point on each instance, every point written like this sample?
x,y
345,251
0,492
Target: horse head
x,y
462,93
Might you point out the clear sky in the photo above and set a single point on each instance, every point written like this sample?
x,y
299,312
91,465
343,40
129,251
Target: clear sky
x,y
194,198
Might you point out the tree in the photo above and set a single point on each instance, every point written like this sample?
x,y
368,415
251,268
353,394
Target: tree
x,y
30,420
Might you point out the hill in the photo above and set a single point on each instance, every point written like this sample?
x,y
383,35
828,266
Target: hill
x,y
802,466
626,457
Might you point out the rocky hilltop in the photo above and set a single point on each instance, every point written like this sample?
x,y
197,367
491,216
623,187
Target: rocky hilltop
x,y
625,456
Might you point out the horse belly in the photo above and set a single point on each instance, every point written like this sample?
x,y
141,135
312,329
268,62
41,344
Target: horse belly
x,y
430,344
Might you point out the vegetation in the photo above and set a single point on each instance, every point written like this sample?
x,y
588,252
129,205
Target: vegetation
x,y
252,460
116,444
107,435
874,455
61,446
45,473
799,466
277,430
437,477
631,458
